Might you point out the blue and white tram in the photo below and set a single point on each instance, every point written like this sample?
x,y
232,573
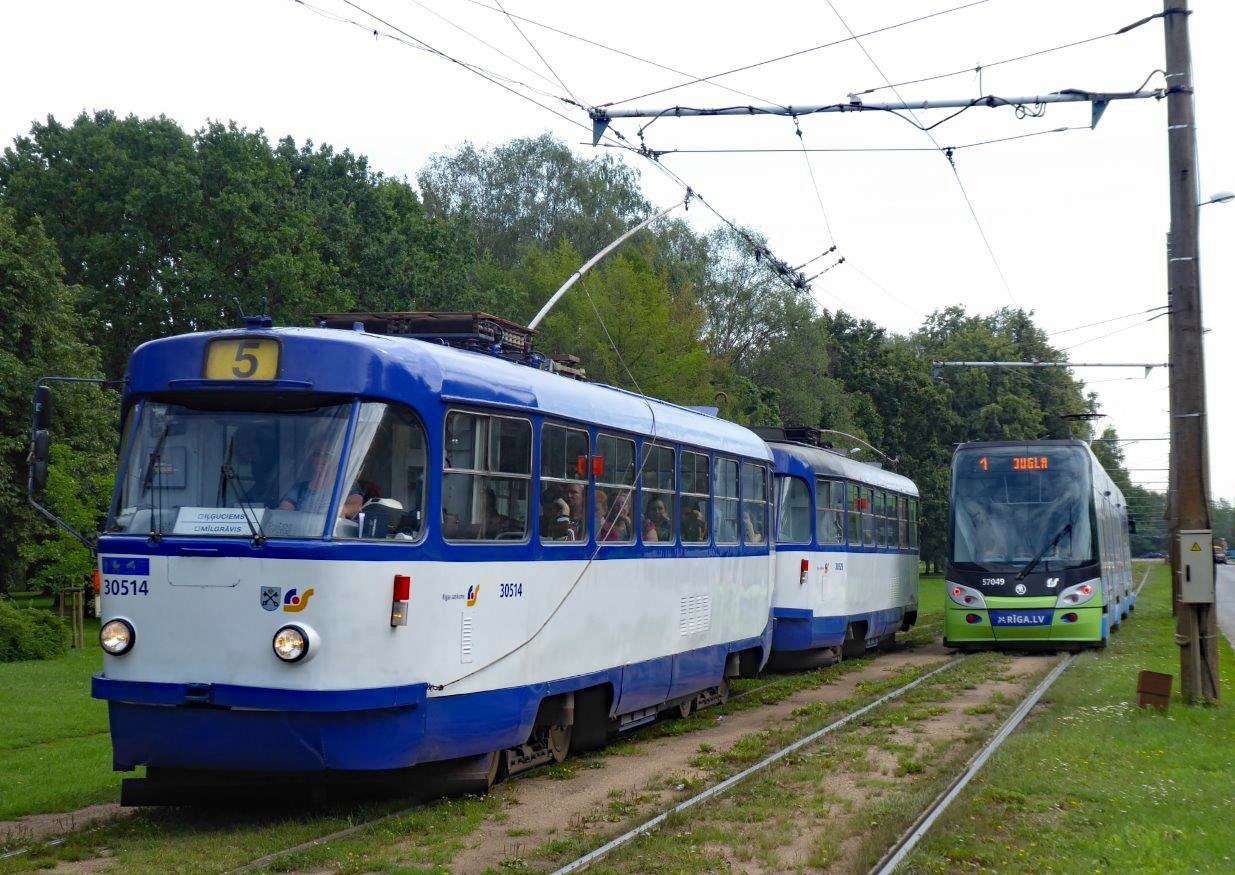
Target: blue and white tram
x,y
343,550
846,554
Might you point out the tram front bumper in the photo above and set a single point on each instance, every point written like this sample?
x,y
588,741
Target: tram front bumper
x,y
1023,626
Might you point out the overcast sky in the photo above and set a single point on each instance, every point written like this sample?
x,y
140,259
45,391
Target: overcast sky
x,y
1077,220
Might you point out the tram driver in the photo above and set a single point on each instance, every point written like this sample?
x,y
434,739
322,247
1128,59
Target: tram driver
x,y
315,490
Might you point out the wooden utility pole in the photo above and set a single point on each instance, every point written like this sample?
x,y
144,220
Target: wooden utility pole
x,y
1196,622
1170,513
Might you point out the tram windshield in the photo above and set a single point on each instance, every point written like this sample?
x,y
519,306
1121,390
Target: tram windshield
x,y
271,473
1010,504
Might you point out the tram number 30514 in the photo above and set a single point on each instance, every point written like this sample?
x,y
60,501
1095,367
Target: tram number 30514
x,y
125,586
510,590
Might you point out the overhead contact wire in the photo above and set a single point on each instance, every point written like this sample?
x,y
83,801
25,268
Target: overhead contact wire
x,y
926,130
978,68
796,54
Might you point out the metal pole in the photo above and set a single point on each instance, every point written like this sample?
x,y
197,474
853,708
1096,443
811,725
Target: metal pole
x,y
1148,366
1197,627
601,116
591,262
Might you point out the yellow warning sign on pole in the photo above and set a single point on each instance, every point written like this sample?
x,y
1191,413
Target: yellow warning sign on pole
x,y
1196,547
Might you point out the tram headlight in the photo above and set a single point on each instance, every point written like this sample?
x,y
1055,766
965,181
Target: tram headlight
x,y
1076,595
291,644
117,637
965,596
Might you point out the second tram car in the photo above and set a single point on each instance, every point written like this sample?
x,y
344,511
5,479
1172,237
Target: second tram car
x,y
846,552
1038,551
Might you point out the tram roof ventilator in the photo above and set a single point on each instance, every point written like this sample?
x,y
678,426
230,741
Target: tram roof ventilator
x,y
473,331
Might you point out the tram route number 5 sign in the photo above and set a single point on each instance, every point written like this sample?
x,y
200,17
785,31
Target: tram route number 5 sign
x,y
242,358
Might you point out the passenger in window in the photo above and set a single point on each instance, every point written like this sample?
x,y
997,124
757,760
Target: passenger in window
x,y
656,524
549,496
555,520
576,501
694,525
750,531
314,491
495,523
617,521
562,527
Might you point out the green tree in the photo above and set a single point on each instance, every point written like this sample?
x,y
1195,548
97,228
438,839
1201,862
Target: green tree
x,y
44,335
533,192
653,335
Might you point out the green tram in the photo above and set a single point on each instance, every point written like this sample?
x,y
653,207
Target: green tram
x,y
1038,552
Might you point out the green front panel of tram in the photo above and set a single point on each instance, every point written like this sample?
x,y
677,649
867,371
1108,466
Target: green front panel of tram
x,y
1087,628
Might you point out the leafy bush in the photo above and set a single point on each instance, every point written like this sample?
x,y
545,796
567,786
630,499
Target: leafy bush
x,y
30,633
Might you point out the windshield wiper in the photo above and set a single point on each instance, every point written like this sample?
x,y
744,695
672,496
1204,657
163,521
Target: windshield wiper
x,y
155,468
1035,560
227,475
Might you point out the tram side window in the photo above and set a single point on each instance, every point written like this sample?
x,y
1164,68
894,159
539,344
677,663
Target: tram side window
x,y
564,498
829,511
868,516
487,476
658,489
696,501
855,514
615,492
889,521
754,503
794,506
913,523
881,518
386,470
902,521
725,508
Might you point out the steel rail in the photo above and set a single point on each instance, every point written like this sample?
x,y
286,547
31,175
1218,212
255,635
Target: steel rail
x,y
897,853
727,784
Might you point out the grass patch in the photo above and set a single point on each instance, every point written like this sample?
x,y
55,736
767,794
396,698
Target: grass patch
x,y
53,739
1090,783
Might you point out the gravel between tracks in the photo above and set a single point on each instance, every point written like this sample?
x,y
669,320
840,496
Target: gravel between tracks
x,y
540,808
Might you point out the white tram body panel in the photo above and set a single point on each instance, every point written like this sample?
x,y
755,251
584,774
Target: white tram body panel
x,y
462,618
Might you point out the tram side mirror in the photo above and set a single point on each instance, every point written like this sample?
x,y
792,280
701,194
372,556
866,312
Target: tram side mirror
x,y
40,452
42,408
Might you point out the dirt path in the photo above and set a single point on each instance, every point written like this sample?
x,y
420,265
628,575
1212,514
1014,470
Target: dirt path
x,y
37,827
539,808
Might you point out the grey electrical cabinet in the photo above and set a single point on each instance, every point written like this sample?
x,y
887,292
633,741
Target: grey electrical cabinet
x,y
1196,566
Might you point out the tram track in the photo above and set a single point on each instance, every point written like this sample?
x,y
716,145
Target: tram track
x,y
896,854
908,840
716,789
721,787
